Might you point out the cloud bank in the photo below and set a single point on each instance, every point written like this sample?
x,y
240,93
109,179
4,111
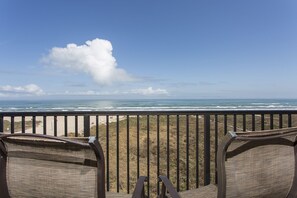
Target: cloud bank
x,y
28,90
142,92
93,58
150,91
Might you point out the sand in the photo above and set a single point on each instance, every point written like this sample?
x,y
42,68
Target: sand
x,y
60,123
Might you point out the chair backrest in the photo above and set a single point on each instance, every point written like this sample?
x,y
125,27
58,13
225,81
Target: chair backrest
x,y
45,166
258,164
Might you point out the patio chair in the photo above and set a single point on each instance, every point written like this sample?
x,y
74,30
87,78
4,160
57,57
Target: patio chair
x,y
250,165
45,166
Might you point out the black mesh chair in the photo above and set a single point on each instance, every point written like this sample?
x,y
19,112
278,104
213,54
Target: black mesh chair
x,y
45,166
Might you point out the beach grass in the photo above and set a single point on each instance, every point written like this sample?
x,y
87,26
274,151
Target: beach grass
x,y
18,125
126,133
128,136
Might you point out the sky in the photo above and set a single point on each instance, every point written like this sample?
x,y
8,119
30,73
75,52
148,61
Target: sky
x,y
140,49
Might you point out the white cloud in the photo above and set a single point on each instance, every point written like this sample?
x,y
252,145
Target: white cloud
x,y
94,58
144,92
150,91
81,93
31,89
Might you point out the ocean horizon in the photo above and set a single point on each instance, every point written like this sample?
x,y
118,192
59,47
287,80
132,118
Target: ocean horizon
x,y
146,104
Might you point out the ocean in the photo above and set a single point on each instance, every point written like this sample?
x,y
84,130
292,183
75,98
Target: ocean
x,y
147,105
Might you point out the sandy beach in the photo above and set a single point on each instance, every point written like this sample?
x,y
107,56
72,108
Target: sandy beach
x,y
61,124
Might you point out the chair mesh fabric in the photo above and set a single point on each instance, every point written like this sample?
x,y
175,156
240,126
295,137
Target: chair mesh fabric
x,y
209,191
50,169
117,195
254,169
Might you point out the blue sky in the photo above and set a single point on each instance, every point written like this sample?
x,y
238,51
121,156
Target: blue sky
x,y
148,49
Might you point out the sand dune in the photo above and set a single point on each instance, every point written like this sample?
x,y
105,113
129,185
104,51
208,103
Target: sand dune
x,y
61,123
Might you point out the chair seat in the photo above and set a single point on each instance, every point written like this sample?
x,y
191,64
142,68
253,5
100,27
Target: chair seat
x,y
117,195
209,191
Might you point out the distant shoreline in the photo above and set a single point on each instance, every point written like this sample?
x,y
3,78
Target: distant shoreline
x,y
147,105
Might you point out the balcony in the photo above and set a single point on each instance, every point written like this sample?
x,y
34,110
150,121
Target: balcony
x,y
179,144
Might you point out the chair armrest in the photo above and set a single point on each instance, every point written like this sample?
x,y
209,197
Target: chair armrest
x,y
3,151
139,188
166,184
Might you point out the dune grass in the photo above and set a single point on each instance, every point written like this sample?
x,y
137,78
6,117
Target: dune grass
x,y
127,134
18,125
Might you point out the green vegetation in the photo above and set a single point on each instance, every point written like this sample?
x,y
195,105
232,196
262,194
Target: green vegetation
x,y
18,125
173,131
143,135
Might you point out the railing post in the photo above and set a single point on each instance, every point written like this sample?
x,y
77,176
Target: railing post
x,y
206,149
23,124
1,124
55,126
12,124
34,124
289,120
86,126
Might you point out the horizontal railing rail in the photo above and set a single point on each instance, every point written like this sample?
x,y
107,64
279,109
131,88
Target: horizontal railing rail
x,y
179,144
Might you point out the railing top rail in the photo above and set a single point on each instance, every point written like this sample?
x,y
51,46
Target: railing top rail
x,y
147,112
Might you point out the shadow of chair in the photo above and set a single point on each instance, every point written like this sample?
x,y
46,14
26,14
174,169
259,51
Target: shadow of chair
x,y
45,166
250,165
